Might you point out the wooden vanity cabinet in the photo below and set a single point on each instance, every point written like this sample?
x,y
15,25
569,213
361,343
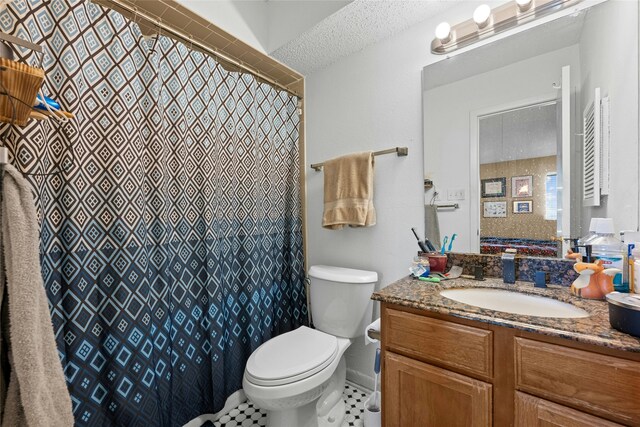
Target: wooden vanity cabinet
x,y
439,370
420,394
533,411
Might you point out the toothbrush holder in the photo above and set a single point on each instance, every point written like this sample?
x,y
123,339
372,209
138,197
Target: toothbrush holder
x,y
437,263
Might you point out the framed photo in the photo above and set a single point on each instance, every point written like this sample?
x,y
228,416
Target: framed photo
x,y
495,209
493,187
522,186
523,206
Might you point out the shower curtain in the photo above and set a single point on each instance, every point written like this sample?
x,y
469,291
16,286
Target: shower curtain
x,y
171,241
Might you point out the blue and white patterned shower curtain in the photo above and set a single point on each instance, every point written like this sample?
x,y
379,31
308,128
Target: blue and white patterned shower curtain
x,y
172,244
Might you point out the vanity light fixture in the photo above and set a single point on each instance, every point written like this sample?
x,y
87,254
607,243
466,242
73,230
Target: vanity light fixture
x,y
524,5
487,22
443,32
482,15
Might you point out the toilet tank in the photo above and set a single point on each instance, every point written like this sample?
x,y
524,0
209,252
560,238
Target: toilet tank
x,y
341,299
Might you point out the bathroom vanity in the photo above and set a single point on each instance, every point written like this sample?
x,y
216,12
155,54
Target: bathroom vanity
x,y
509,163
447,363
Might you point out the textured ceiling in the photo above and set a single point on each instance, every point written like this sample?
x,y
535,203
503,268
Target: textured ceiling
x,y
354,27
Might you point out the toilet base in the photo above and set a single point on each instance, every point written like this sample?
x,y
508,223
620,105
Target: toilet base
x,y
326,411
335,416
307,416
303,416
331,407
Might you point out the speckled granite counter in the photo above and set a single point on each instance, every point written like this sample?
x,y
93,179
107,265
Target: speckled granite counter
x,y
594,329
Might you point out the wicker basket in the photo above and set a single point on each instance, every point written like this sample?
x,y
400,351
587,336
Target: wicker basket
x,y
21,81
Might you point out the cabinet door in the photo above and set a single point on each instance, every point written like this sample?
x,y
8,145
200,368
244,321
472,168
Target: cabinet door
x,y
420,395
532,411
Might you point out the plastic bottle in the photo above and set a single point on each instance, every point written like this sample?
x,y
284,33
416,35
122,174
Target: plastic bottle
x,y
593,225
584,242
612,252
420,266
634,273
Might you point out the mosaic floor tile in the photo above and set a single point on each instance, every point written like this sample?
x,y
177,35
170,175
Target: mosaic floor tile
x,y
247,415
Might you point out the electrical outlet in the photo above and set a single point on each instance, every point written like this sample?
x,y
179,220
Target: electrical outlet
x,y
455,194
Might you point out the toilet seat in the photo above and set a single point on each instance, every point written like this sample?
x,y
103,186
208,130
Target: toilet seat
x,y
291,357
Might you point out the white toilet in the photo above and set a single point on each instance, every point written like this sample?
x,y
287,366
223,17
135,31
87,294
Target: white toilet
x,y
298,377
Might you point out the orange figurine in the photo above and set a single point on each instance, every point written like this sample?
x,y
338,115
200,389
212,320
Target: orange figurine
x,y
594,281
573,255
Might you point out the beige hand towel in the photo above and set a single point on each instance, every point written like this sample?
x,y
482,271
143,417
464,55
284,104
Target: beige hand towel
x,y
37,394
348,192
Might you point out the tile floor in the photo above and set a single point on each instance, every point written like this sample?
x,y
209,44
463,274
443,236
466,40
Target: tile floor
x,y
247,415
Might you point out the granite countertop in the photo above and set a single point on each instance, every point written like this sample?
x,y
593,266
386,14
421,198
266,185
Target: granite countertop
x,y
594,329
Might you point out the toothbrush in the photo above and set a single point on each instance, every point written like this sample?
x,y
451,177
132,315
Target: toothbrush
x,y
444,245
429,245
376,369
41,100
423,247
451,242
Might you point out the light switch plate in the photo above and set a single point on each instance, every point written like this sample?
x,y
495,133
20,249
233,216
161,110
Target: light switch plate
x,y
455,194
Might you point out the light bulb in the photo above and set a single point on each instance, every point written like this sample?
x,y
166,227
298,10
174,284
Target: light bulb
x,y
481,15
443,32
523,5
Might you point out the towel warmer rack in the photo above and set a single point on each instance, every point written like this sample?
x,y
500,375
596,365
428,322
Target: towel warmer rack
x,y
400,151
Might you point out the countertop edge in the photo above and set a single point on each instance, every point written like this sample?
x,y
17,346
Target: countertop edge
x,y
498,321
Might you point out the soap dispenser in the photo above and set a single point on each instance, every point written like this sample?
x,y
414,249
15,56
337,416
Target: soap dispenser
x,y
509,266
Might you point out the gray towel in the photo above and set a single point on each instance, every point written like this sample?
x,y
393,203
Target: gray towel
x,y
37,394
431,224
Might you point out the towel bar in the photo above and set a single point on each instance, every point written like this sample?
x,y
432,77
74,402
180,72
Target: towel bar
x,y
449,206
401,151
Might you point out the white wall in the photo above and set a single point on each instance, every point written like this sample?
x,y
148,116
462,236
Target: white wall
x,y
265,25
245,20
610,31
447,111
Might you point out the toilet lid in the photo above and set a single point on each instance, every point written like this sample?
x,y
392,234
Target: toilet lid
x,y
291,357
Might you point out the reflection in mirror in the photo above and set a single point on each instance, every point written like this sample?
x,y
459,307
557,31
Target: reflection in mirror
x,y
504,126
518,170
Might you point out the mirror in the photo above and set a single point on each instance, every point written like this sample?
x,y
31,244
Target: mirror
x,y
520,145
504,134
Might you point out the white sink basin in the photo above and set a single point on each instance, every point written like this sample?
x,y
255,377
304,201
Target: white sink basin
x,y
514,302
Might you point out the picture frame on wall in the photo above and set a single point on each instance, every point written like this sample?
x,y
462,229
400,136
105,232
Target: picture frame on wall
x,y
523,206
522,186
493,187
494,210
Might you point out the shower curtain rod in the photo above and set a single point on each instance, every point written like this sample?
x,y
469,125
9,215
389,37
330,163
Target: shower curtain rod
x,y
401,151
186,39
